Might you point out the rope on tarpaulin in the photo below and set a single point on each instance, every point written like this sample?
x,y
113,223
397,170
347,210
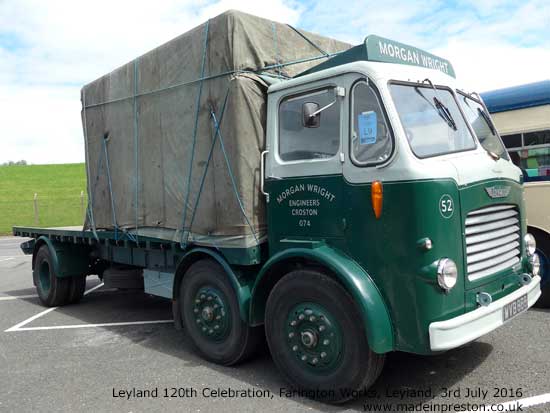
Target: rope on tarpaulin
x,y
276,47
233,183
277,66
210,153
217,134
195,128
136,147
105,154
307,39
228,73
89,208
108,169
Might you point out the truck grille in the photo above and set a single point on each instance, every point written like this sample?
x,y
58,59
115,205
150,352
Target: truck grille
x,y
492,240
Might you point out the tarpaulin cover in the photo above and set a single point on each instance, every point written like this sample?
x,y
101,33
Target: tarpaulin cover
x,y
173,139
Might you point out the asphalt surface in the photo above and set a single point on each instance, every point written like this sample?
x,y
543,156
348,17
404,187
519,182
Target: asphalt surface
x,y
81,368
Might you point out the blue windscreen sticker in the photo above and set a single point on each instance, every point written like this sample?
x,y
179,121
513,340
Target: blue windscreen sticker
x,y
367,128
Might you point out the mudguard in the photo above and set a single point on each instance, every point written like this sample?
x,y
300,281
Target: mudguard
x,y
354,278
68,260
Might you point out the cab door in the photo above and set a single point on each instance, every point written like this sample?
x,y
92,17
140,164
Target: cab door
x,y
304,163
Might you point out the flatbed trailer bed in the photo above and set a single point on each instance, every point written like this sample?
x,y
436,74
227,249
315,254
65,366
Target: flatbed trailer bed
x,y
157,263
122,248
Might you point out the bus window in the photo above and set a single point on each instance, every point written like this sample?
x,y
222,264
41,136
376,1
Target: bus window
x,y
512,141
535,163
537,138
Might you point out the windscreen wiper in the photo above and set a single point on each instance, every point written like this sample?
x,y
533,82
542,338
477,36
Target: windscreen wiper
x,y
440,108
445,113
487,120
443,110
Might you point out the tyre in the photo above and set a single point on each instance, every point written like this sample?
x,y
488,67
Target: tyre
x,y
52,290
76,289
210,314
543,250
317,337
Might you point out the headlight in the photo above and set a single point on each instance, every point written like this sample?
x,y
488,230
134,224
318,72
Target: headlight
x,y
530,244
446,273
534,260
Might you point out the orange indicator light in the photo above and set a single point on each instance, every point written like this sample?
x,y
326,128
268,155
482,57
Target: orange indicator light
x,y
376,197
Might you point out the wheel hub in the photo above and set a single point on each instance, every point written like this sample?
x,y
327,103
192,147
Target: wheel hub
x,y
314,336
211,312
207,313
309,338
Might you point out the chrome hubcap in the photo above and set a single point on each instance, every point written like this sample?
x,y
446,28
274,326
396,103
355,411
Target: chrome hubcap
x,y
207,313
314,337
309,338
211,312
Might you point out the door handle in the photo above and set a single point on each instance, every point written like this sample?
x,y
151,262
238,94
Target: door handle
x,y
262,174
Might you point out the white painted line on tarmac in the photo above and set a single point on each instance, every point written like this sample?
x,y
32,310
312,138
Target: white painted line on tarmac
x,y
517,405
93,289
124,323
13,257
22,297
43,313
28,320
16,297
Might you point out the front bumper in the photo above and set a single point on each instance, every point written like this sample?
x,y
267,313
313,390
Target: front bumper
x,y
448,334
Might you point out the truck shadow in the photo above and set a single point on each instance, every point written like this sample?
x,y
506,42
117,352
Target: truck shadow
x,y
402,371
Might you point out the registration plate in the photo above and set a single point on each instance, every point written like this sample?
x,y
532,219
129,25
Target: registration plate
x,y
517,306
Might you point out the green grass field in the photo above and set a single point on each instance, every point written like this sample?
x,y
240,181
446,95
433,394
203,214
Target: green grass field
x,y
58,189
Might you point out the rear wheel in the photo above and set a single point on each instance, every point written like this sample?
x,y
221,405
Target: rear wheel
x,y
52,290
76,289
317,338
210,314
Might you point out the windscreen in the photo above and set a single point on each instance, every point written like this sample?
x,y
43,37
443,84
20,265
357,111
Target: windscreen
x,y
431,119
482,125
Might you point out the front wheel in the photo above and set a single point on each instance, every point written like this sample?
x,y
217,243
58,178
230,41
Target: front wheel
x,y
317,337
210,314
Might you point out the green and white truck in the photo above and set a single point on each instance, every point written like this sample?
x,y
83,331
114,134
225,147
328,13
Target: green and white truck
x,y
337,201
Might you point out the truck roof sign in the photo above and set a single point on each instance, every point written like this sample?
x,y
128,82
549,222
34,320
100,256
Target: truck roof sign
x,y
380,49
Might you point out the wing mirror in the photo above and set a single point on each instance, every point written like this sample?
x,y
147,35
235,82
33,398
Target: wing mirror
x,y
311,115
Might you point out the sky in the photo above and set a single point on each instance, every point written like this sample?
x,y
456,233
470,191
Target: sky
x,y
50,49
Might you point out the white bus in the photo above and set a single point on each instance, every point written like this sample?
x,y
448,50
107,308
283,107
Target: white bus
x,y
522,116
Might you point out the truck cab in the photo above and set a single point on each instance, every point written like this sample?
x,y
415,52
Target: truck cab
x,y
370,155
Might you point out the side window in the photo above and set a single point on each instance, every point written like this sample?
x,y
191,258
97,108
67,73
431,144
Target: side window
x,y
303,140
512,141
371,139
534,157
